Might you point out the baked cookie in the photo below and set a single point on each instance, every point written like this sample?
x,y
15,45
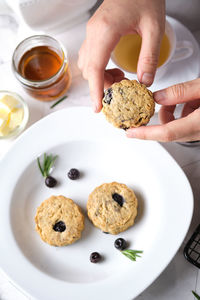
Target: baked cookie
x,y
128,104
59,221
112,207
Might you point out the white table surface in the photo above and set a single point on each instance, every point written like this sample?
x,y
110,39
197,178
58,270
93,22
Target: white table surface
x,y
180,277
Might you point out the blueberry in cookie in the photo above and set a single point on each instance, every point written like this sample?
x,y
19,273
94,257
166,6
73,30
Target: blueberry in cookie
x,y
128,103
112,207
59,221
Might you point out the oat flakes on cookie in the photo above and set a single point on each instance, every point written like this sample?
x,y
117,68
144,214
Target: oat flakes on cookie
x,y
128,103
112,207
59,221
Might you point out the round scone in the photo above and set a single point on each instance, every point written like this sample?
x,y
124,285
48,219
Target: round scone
x,y
59,221
112,207
128,104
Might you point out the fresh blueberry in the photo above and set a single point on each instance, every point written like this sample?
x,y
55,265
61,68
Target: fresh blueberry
x,y
120,244
50,181
95,257
107,96
73,174
59,226
118,198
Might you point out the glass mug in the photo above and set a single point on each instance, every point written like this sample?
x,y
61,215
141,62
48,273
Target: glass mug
x,y
126,53
41,65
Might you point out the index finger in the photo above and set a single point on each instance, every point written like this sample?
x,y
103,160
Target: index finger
x,y
179,93
172,131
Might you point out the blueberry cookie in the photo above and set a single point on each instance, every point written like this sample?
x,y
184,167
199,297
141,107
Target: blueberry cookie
x,y
59,221
128,104
112,207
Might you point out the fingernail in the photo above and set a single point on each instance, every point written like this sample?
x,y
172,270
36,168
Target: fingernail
x,y
147,78
159,96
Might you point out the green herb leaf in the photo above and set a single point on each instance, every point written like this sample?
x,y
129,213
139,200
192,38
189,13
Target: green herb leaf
x,y
48,162
60,100
44,162
132,254
39,165
196,295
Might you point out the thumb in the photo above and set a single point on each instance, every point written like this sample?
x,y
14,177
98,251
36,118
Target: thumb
x,y
149,54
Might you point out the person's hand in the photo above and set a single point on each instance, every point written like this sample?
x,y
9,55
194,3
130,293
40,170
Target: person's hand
x,y
184,129
113,19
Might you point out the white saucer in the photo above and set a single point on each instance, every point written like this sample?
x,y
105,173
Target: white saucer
x,y
179,71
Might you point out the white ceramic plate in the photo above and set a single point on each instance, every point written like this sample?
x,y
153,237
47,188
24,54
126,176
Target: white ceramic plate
x,y
84,140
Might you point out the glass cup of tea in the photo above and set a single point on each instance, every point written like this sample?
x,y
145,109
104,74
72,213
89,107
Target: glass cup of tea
x,y
41,65
126,53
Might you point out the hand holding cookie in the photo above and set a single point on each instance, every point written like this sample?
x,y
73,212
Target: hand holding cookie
x,y
112,20
184,129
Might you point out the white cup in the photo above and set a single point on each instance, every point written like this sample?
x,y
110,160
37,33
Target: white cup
x,y
179,50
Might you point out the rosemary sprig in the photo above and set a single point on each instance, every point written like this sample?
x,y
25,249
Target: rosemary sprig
x,y
48,162
57,102
196,295
132,254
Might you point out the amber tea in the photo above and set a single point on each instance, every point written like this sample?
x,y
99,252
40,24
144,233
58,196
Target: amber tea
x,y
41,65
126,53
